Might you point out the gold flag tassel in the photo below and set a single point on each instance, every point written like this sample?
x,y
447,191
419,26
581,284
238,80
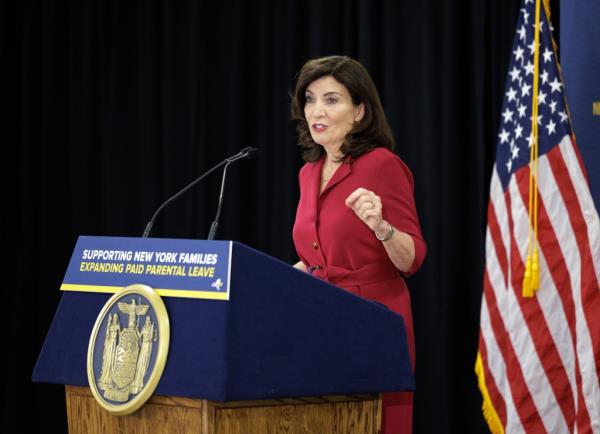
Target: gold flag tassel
x,y
535,270
531,277
489,412
527,291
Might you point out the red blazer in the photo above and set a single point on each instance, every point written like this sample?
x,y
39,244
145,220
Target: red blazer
x,y
338,247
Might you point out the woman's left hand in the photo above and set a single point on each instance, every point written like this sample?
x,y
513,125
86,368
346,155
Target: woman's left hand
x,y
368,207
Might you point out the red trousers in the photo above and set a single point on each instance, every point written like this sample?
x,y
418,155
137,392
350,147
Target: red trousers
x,y
397,413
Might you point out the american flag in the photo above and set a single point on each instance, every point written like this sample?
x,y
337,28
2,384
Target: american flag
x,y
538,357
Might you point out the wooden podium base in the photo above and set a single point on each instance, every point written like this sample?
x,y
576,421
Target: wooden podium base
x,y
360,414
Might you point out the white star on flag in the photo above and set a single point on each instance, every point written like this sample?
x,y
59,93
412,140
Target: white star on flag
x,y
507,115
547,55
541,97
555,85
515,73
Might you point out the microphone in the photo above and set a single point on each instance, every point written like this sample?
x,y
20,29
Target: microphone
x,y
244,153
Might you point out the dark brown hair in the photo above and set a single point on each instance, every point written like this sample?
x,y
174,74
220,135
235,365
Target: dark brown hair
x,y
370,132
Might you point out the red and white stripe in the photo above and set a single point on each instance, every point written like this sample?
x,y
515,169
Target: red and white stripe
x,y
541,355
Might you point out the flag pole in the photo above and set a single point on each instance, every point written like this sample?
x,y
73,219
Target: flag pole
x,y
531,277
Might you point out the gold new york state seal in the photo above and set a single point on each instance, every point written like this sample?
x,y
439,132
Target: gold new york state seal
x,y
128,349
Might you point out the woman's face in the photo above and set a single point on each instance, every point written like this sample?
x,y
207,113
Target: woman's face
x,y
329,111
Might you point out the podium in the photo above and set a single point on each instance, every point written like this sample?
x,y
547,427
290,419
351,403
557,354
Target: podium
x,y
286,353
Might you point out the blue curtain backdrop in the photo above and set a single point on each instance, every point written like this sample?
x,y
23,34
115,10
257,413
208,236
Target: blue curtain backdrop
x,y
113,106
580,60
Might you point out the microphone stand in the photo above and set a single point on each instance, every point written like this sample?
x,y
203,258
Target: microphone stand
x,y
213,227
244,153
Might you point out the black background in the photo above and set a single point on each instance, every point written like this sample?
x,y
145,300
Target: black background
x,y
119,104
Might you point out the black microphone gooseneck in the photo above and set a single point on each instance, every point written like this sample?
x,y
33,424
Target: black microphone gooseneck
x,y
242,154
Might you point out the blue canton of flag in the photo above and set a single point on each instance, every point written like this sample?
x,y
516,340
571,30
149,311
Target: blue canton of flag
x,y
514,137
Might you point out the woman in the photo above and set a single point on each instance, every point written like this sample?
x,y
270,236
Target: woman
x,y
356,224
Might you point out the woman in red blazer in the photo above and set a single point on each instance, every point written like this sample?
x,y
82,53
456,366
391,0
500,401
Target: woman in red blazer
x,y
356,224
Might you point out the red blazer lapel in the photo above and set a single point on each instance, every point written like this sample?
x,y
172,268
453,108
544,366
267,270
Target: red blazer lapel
x,y
343,171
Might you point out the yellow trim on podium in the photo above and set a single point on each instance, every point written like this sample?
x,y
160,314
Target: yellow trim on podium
x,y
181,293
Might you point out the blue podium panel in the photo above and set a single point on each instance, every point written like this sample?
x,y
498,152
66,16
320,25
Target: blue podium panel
x,y
282,333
